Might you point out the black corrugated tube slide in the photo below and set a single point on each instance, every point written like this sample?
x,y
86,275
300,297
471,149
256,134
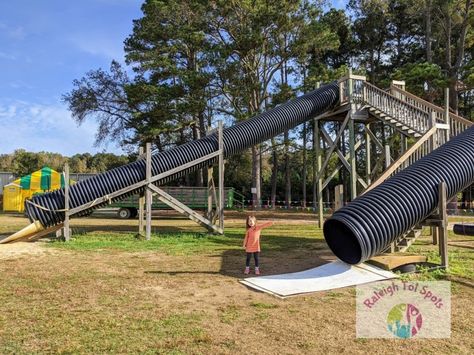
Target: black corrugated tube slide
x,y
47,207
464,229
367,226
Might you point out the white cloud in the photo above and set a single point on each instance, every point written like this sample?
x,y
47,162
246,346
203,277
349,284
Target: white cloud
x,y
37,127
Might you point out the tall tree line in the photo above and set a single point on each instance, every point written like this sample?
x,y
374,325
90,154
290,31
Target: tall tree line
x,y
190,63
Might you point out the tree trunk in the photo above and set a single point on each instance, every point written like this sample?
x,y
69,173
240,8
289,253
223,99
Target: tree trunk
x,y
428,9
287,170
303,204
199,172
256,196
274,173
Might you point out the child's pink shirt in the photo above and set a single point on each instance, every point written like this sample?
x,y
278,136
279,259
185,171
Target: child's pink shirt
x,y
252,237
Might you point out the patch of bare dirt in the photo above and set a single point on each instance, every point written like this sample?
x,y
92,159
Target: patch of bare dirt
x,y
24,249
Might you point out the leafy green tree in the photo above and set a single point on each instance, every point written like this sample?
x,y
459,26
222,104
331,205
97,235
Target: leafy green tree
x,y
169,49
454,20
102,96
371,30
251,43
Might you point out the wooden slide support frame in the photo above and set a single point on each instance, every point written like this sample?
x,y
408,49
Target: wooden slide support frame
x,y
439,224
151,189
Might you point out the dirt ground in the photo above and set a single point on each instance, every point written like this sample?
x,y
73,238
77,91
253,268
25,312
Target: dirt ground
x,y
115,302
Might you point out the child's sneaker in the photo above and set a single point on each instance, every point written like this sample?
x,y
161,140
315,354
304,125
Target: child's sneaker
x,y
247,271
257,271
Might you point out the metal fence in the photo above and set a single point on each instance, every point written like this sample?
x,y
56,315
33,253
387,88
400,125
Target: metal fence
x,y
5,179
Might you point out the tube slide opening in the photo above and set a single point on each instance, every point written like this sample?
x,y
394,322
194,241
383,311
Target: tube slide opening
x,y
342,241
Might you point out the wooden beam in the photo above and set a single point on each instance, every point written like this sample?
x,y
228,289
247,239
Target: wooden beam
x,y
435,233
148,193
374,138
393,167
388,158
446,113
352,158
368,155
318,182
443,229
330,142
182,208
141,204
336,170
332,147
344,160
221,175
210,191
66,228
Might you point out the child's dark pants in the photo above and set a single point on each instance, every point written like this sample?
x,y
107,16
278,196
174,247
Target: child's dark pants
x,y
249,256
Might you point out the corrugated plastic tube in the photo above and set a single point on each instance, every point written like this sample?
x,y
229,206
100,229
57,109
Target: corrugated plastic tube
x,y
367,226
464,229
47,208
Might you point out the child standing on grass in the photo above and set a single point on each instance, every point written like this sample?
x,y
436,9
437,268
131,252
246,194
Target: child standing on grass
x,y
252,242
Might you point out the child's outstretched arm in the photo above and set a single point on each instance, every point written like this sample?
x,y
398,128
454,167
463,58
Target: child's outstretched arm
x,y
265,225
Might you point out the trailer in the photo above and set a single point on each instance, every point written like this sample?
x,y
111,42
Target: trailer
x,y
194,197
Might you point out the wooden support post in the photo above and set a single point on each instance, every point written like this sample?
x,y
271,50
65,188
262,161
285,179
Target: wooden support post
x,y
443,226
352,158
338,197
210,191
403,143
433,137
403,146
435,232
221,175
388,159
318,183
149,196
368,156
446,113
141,205
66,228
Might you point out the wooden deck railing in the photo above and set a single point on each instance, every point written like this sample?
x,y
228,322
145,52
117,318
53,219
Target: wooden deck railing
x,y
457,123
356,90
410,110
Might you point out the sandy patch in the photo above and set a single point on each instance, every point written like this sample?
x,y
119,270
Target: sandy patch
x,y
22,249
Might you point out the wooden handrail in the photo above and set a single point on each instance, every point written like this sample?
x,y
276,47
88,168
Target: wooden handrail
x,y
394,97
397,163
431,105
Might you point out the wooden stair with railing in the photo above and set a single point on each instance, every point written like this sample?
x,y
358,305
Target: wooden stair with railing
x,y
418,118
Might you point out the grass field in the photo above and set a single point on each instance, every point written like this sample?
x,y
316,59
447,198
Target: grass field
x,y
108,292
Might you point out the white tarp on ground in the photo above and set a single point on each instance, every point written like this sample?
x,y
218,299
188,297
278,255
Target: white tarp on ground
x,y
329,276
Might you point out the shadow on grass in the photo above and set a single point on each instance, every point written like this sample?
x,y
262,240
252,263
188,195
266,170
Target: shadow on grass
x,y
280,254
461,245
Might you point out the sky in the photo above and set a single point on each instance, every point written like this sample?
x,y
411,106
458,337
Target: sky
x,y
44,46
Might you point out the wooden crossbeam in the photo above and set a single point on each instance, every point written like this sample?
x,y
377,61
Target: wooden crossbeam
x,y
333,146
395,165
336,170
330,142
374,138
182,208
